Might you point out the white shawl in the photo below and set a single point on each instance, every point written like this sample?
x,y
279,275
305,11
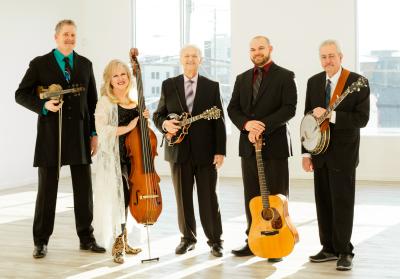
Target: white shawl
x,y
108,193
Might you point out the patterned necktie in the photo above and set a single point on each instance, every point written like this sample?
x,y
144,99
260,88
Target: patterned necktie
x,y
189,94
328,93
68,70
257,83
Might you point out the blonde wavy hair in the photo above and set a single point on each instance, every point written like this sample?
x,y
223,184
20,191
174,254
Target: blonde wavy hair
x,y
107,88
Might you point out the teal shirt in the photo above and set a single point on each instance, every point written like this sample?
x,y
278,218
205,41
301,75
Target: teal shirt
x,y
59,57
60,61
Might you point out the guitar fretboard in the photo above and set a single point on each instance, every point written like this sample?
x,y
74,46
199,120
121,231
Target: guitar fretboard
x,y
261,178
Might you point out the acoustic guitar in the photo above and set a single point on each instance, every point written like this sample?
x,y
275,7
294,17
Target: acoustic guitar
x,y
185,120
272,234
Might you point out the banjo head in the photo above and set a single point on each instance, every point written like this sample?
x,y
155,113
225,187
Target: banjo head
x,y
310,133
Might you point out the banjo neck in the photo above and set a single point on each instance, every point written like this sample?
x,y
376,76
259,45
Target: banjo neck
x,y
355,86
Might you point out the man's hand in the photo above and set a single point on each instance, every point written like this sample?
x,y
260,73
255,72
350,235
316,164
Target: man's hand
x,y
93,145
53,105
218,160
317,112
172,126
253,137
255,126
307,164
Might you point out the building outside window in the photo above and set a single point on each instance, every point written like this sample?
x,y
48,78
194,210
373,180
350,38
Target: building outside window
x,y
379,61
205,23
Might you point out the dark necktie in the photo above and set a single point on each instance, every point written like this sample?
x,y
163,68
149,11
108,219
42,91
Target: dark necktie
x,y
328,93
68,70
257,82
189,95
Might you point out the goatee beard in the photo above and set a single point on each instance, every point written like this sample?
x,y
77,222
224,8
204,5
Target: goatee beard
x,y
263,62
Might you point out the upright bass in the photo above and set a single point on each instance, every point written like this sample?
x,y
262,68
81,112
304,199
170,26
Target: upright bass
x,y
145,202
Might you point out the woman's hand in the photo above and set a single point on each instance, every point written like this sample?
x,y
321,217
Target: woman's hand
x,y
146,114
132,124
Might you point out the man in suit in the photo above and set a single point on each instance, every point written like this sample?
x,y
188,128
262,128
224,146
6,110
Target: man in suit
x,y
200,153
263,101
335,169
65,67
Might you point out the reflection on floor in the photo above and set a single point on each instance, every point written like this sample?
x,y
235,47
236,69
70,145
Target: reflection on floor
x,y
375,236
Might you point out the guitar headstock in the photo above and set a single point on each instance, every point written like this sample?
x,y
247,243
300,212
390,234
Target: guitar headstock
x,y
212,113
133,54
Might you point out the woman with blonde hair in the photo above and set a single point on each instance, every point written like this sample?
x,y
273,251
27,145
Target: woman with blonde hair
x,y
115,116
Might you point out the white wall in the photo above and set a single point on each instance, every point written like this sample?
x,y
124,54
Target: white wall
x,y
295,28
27,29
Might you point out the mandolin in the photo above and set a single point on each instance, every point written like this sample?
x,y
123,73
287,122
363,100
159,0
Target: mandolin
x,y
185,120
272,234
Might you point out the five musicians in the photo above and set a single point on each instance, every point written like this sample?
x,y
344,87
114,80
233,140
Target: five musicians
x,y
264,99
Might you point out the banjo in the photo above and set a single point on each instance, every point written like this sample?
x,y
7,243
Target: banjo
x,y
314,131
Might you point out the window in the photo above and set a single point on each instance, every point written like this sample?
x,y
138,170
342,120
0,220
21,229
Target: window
x,y
159,34
379,57
207,24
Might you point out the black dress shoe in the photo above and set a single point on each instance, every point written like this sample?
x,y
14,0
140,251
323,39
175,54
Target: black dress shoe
x,y
216,250
323,256
344,262
184,246
40,251
243,252
92,246
275,260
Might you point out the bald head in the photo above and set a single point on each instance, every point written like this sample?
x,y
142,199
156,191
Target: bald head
x,y
260,50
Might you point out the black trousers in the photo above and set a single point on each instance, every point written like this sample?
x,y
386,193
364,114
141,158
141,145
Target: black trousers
x,y
334,199
276,177
43,222
183,177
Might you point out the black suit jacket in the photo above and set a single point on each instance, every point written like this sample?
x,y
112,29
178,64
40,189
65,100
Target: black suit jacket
x,y
77,110
274,106
351,115
206,137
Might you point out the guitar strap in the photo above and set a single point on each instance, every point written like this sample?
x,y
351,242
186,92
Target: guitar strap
x,y
340,85
338,91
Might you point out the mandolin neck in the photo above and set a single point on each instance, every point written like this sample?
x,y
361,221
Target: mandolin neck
x,y
191,119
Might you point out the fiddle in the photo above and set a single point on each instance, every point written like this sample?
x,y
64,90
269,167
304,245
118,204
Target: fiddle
x,y
55,91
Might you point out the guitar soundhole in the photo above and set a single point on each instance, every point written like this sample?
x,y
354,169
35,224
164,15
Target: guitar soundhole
x,y
267,214
272,215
